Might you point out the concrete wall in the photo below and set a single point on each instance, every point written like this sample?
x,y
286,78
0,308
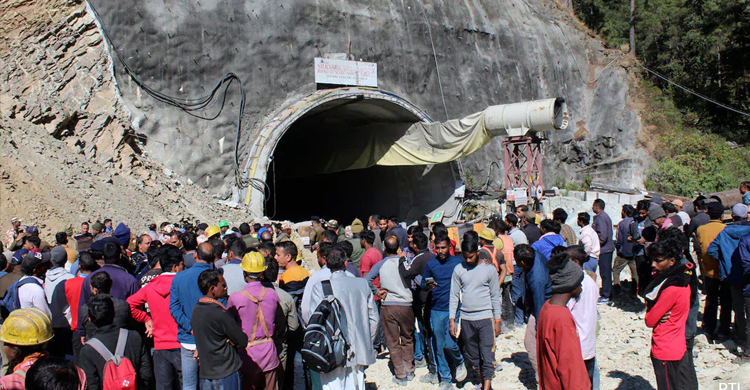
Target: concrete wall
x,y
488,52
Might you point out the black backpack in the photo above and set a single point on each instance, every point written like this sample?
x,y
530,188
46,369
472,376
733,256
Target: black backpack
x,y
324,346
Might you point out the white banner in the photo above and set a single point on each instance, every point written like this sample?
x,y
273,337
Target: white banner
x,y
340,72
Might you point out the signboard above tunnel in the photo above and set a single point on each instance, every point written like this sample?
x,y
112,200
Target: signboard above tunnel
x,y
340,72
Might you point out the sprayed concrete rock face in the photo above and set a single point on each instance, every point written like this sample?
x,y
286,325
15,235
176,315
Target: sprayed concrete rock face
x,y
488,52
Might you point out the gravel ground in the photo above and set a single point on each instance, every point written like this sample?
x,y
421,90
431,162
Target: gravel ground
x,y
623,347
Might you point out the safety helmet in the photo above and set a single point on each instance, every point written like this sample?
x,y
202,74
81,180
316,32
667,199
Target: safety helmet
x,y
253,263
223,224
487,233
212,231
26,327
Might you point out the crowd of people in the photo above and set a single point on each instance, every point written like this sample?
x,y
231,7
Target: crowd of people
x,y
218,307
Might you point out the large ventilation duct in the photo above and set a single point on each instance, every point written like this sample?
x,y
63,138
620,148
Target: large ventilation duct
x,y
421,143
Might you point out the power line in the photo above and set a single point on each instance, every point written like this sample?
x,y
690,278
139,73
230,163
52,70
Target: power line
x,y
570,48
695,93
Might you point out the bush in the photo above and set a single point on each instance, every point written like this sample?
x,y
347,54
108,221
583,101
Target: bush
x,y
697,162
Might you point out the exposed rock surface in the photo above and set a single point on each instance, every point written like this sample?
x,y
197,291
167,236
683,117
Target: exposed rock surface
x,y
488,52
67,152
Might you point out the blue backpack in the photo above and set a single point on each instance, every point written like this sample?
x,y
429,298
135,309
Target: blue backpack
x,y
11,301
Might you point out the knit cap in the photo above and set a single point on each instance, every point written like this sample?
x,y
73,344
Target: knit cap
x,y
357,226
564,275
58,256
122,234
655,211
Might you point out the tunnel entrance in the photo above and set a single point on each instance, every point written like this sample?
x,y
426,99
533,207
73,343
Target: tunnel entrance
x,y
309,172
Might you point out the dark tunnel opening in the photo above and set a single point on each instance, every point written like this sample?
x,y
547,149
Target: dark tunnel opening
x,y
307,175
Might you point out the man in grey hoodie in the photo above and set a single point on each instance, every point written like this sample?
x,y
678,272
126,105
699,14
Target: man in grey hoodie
x,y
54,289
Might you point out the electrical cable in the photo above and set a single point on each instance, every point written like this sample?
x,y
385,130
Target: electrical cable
x,y
434,56
570,48
193,105
695,93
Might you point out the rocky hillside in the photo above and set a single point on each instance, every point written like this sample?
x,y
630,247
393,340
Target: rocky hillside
x,y
68,151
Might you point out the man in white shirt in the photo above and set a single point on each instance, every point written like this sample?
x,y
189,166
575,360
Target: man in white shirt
x,y
590,241
30,291
586,315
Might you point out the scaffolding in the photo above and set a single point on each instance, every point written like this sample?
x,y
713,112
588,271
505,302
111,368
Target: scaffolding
x,y
523,164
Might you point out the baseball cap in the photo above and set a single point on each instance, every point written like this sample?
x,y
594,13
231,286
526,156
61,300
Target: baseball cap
x,y
678,203
33,260
17,257
15,219
32,231
739,210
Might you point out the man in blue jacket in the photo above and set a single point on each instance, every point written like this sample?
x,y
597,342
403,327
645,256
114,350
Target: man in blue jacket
x,y
538,291
550,238
603,226
437,276
184,295
744,249
725,248
625,255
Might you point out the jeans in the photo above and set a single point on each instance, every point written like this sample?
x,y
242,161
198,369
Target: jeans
x,y
605,269
592,367
508,308
738,307
717,291
518,291
168,369
231,382
442,341
591,265
190,370
747,325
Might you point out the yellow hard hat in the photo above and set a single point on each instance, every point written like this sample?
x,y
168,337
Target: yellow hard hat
x,y
26,327
253,263
487,233
212,231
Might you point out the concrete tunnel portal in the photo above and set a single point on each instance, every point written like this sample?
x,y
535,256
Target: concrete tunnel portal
x,y
311,139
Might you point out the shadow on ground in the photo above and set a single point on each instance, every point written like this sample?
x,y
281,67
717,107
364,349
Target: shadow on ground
x,y
630,382
526,376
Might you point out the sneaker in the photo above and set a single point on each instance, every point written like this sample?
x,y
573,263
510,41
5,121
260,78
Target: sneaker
x,y
603,301
445,386
400,381
409,376
461,372
420,363
430,378
498,367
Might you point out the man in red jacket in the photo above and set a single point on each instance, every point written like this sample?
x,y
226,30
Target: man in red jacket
x,y
86,265
159,321
668,299
558,348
